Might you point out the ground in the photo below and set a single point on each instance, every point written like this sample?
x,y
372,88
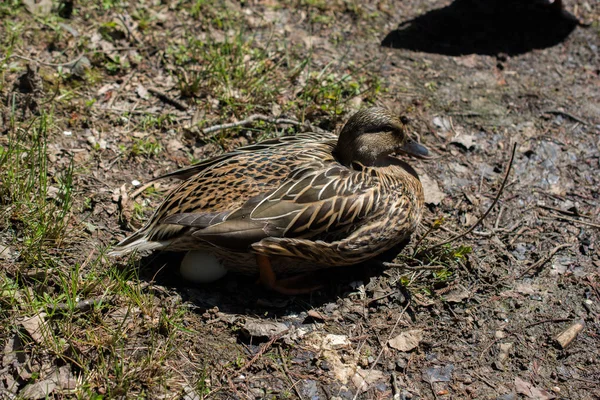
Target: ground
x,y
99,97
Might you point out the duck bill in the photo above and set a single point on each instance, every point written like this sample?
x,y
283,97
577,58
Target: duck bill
x,y
414,149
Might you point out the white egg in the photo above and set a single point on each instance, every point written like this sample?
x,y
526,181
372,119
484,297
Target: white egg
x,y
199,267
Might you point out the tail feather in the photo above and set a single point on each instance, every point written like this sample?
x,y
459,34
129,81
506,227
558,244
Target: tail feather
x,y
138,241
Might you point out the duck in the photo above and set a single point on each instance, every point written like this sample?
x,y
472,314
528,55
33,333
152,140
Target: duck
x,y
294,204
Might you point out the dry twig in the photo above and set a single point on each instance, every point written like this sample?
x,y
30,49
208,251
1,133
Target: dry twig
x,y
169,100
465,233
256,117
544,260
566,114
577,221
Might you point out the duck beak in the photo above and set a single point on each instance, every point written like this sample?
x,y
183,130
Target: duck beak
x,y
414,149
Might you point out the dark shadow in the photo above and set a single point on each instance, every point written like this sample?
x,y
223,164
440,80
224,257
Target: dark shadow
x,y
240,294
487,27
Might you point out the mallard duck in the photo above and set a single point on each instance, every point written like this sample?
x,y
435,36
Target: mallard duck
x,y
295,203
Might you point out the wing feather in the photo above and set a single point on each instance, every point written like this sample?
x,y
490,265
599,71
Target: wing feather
x,y
322,198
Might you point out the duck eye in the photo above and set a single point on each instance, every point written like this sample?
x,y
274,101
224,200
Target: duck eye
x,y
404,119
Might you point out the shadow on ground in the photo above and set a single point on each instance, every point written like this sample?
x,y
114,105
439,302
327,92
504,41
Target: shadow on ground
x,y
241,294
486,27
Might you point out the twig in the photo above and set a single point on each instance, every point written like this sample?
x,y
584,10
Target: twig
x,y
383,345
465,233
546,321
558,210
262,350
250,120
544,260
139,190
420,268
118,91
566,114
169,100
74,60
65,64
287,373
578,221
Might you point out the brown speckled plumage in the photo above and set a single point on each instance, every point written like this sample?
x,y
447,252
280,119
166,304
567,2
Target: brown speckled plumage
x,y
308,201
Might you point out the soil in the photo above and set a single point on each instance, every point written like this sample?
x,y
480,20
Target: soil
x,y
473,78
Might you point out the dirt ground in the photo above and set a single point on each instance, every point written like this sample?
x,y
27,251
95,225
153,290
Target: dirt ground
x,y
99,97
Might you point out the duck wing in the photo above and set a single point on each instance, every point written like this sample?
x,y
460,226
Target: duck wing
x,y
314,199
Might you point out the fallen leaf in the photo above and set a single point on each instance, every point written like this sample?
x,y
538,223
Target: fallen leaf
x,y
38,390
264,329
5,252
464,140
431,189
527,389
364,379
37,327
332,342
317,315
38,7
438,374
406,341
142,92
457,296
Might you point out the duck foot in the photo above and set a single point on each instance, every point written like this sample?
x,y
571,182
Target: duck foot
x,y
294,285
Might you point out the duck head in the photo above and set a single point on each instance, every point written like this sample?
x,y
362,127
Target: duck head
x,y
371,135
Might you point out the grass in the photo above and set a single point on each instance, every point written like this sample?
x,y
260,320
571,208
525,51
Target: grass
x,y
58,210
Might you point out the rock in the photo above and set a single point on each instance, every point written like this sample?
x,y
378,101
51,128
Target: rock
x,y
406,341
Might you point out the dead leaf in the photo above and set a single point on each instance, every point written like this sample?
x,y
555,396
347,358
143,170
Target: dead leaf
x,y
464,140
37,328
332,342
264,329
527,389
38,390
38,7
5,252
406,341
457,296
317,315
433,193
142,92
438,374
364,379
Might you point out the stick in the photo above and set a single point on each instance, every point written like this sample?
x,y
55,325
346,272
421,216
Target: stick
x,y
139,190
543,260
566,114
383,346
251,119
465,233
578,221
165,98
